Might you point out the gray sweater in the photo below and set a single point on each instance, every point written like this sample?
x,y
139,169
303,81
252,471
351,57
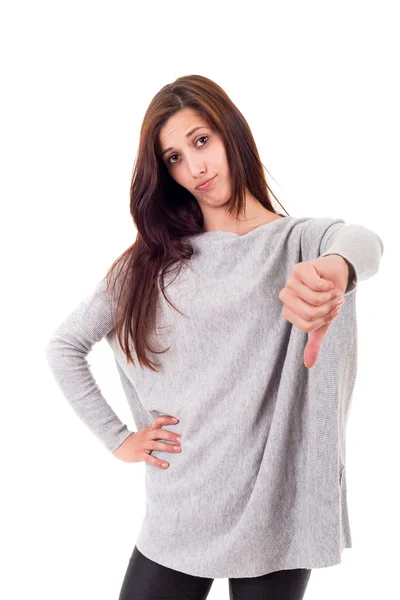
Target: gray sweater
x,y
260,484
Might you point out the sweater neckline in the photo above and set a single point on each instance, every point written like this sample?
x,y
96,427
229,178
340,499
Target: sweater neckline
x,y
222,235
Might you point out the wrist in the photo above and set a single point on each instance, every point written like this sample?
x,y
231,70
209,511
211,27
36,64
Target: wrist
x,y
350,270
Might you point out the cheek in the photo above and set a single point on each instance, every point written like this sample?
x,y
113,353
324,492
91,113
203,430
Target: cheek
x,y
221,160
181,179
179,176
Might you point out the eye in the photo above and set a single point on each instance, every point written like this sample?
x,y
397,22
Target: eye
x,y
202,137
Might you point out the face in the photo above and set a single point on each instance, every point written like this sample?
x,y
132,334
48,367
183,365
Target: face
x,y
193,153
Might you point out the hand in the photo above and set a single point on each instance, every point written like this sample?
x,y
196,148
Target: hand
x,y
138,446
309,299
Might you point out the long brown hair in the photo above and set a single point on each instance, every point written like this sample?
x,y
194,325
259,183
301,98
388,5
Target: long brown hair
x,y
164,212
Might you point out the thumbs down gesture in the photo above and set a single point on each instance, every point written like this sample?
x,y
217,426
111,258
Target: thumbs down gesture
x,y
312,298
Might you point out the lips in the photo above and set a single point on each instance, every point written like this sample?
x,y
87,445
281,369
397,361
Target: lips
x,y
205,184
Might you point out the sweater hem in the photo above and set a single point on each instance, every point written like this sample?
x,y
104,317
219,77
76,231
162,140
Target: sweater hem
x,y
254,571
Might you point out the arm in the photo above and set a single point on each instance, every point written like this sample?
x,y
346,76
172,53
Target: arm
x,y
66,354
360,247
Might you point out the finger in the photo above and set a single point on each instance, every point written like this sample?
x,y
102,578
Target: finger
x,y
155,462
164,434
313,346
156,426
309,312
158,439
163,420
307,325
163,446
308,274
300,290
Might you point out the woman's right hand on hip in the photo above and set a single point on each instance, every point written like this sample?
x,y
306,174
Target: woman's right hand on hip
x,y
138,446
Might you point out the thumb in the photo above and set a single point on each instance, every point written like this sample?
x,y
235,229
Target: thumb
x,y
313,345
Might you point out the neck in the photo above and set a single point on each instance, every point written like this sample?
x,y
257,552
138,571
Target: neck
x,y
254,214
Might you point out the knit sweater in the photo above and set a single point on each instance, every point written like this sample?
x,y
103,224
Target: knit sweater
x,y
260,484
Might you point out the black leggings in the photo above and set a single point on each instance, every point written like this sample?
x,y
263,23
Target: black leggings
x,y
147,580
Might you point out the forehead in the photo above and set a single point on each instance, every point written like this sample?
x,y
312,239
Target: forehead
x,y
180,123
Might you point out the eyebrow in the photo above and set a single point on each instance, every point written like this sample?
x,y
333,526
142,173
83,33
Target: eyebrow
x,y
187,135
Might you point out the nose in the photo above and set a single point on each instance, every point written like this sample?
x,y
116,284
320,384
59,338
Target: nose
x,y
197,170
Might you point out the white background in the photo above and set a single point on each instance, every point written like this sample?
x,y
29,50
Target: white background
x,y
318,85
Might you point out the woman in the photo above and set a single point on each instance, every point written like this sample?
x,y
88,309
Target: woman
x,y
254,360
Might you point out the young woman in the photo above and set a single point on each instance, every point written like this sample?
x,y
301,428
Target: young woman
x,y
241,421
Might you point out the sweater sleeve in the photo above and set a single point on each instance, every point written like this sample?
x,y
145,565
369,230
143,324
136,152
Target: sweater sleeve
x,y
361,247
66,351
